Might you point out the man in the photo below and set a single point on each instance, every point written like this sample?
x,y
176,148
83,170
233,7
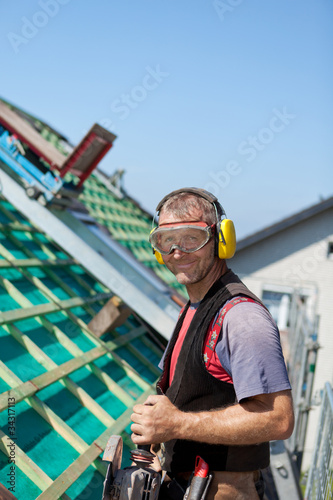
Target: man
x,y
221,398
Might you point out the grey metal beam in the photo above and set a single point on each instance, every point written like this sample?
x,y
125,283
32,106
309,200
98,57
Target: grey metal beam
x,y
97,257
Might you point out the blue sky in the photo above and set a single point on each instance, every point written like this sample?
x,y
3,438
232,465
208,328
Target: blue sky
x,y
234,96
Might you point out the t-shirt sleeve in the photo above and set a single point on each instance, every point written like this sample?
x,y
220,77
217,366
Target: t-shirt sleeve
x,y
250,350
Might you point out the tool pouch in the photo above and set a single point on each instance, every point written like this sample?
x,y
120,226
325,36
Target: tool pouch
x,y
198,487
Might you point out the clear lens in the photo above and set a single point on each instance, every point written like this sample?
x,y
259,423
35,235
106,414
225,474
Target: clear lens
x,y
185,238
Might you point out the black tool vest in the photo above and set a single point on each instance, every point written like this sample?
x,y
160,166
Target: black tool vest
x,y
194,389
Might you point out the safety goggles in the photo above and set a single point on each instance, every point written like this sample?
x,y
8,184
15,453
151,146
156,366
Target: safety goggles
x,y
187,237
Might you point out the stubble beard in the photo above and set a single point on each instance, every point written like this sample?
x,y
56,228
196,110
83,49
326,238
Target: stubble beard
x,y
196,275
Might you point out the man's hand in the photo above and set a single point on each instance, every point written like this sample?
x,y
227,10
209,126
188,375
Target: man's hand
x,y
155,421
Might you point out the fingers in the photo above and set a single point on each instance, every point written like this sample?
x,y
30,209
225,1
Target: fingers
x,y
138,439
153,399
150,401
153,421
143,426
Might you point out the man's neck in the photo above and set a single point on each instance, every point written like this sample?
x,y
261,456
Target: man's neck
x,y
197,291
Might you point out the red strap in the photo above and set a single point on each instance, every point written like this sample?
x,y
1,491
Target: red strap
x,y
214,333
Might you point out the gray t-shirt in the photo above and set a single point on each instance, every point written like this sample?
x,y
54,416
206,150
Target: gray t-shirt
x,y
249,349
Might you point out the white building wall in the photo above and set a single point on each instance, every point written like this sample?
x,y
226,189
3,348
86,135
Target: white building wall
x,y
297,258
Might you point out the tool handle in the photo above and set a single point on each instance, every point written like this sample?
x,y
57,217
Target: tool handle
x,y
201,467
199,482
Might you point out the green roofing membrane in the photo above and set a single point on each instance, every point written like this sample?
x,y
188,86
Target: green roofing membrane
x,y
64,391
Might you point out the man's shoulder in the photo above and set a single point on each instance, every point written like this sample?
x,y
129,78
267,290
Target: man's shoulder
x,y
244,306
235,286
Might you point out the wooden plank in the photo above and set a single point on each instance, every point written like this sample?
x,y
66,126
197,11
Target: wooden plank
x,y
46,263
30,136
154,369
41,381
73,472
63,339
25,464
5,494
112,386
75,351
66,342
30,346
64,430
26,389
53,258
85,399
18,263
17,226
130,371
15,315
48,293
75,276
29,311
112,314
18,393
156,349
11,261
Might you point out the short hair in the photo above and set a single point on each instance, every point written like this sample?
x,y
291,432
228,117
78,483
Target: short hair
x,y
182,204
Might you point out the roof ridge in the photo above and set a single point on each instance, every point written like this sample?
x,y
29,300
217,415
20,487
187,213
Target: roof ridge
x,y
285,222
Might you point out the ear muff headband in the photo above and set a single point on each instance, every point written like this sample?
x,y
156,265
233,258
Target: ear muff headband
x,y
199,192
225,234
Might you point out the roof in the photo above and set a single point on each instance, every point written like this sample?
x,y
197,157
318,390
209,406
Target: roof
x,y
284,224
69,375
64,390
122,216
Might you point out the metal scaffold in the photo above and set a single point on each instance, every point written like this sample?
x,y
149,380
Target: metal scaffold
x,y
286,462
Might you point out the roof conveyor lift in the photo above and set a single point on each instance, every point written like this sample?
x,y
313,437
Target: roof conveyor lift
x,y
40,167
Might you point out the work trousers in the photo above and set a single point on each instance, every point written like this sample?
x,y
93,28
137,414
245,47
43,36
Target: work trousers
x,y
224,486
236,486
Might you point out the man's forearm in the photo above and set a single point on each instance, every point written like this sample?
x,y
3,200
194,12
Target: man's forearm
x,y
260,419
241,424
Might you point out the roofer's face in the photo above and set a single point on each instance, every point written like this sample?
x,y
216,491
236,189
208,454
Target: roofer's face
x,y
189,268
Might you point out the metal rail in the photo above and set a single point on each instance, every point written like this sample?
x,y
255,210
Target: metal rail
x,y
320,480
303,353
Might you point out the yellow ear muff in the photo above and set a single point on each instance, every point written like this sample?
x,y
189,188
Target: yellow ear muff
x,y
227,239
157,254
159,257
